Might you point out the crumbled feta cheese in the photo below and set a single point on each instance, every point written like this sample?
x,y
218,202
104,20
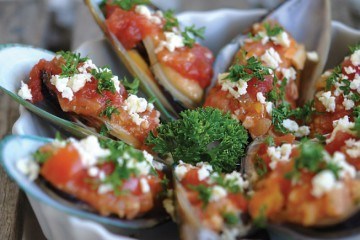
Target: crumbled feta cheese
x,y
289,73
93,171
290,125
105,188
204,171
327,100
59,82
346,169
338,91
279,154
90,150
59,143
78,81
25,92
271,58
343,125
353,148
260,97
349,70
302,131
355,58
67,93
269,107
142,167
355,83
312,56
264,37
29,167
135,105
144,185
87,64
238,179
172,42
348,104
323,182
181,170
281,39
217,193
145,11
236,89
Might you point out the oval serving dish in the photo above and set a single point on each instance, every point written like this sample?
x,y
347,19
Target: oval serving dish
x,y
69,227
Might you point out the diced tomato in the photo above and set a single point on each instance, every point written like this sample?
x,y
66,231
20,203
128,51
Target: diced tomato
x,y
129,27
194,63
256,85
338,141
62,166
191,178
288,138
239,200
132,185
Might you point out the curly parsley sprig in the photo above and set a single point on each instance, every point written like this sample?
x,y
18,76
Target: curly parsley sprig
x,y
72,60
202,135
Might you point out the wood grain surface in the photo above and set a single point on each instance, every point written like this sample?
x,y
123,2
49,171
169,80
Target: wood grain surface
x,y
28,22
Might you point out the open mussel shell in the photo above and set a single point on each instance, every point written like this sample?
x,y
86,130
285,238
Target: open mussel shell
x,y
41,192
343,227
136,65
309,22
16,61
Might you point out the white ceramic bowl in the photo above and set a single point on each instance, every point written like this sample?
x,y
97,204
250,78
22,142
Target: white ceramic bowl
x,y
220,30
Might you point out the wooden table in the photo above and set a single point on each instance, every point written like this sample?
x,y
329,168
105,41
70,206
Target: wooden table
x,y
27,22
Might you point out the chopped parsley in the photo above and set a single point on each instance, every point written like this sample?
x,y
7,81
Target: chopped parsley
x,y
357,123
202,135
274,30
129,4
253,69
260,221
104,131
131,87
230,218
260,166
204,193
72,60
230,185
311,159
334,76
109,110
170,20
269,140
191,33
104,77
41,156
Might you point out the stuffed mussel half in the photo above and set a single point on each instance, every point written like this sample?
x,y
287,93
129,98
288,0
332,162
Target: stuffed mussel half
x,y
167,60
103,177
92,95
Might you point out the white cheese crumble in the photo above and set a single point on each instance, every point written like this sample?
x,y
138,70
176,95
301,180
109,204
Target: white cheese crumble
x,y
279,154
204,171
269,107
292,126
135,105
271,58
343,125
173,41
93,171
348,103
238,179
353,148
349,70
260,97
105,188
312,56
327,100
25,92
236,89
90,150
281,39
355,58
145,11
217,193
142,167
289,73
346,169
144,185
323,182
181,170
29,167
355,83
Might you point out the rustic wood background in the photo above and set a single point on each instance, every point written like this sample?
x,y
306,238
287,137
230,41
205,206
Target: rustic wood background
x,y
50,25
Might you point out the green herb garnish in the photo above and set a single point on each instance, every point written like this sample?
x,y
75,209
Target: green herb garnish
x,y
41,157
191,33
104,77
274,30
72,60
204,193
260,221
104,131
202,135
129,4
131,87
109,110
230,218
253,69
170,21
334,76
260,166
